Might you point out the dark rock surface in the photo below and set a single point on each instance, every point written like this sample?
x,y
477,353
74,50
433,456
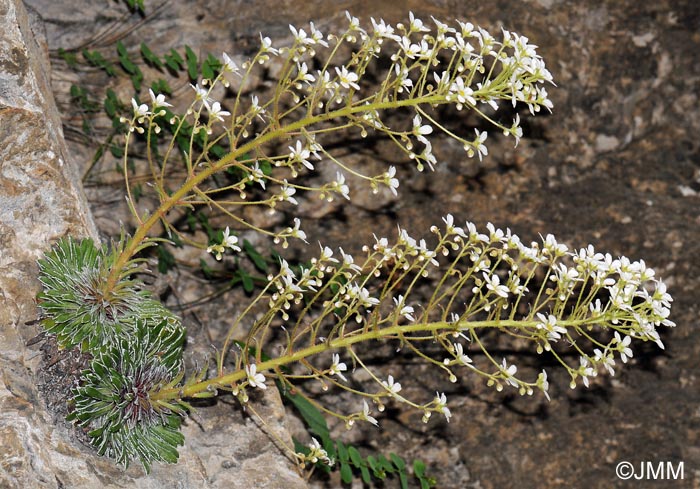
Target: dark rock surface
x,y
617,165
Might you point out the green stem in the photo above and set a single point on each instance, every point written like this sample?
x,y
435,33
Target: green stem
x,y
194,180
392,332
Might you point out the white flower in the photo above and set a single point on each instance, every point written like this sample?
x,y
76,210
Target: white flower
x,y
340,186
391,181
215,112
287,193
347,79
479,143
140,111
414,50
623,346
338,367
543,383
363,297
383,30
317,453
450,228
551,246
464,94
326,255
349,261
493,283
606,359
416,24
509,372
295,232
461,357
255,108
418,129
257,175
304,75
427,154
229,65
549,324
301,154
354,22
255,379
230,241
300,36
317,35
405,311
266,46
515,130
200,93
392,386
441,404
585,370
158,100
365,414
217,249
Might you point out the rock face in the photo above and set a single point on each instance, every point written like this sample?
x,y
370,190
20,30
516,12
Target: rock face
x,y
615,165
41,200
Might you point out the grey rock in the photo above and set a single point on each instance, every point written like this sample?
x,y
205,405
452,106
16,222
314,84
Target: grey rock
x,y
41,200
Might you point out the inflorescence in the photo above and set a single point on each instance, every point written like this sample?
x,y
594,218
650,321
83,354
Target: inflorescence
x,y
543,295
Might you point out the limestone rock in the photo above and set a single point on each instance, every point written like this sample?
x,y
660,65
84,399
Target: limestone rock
x,y
41,200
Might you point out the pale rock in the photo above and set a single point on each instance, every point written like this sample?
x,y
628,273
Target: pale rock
x,y
41,200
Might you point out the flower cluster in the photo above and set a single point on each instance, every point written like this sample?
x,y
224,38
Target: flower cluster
x,y
463,66
542,292
254,150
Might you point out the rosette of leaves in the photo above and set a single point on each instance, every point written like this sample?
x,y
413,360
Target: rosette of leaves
x,y
78,305
114,403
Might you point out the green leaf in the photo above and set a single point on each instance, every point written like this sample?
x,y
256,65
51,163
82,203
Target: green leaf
x,y
69,57
210,67
384,464
206,269
400,465
121,50
116,150
75,91
342,451
174,61
136,6
248,284
345,473
129,66
419,468
256,257
266,167
161,86
191,59
377,469
312,416
99,153
95,58
166,260
355,456
150,56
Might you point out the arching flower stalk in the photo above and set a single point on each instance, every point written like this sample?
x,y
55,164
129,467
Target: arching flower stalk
x,y
542,295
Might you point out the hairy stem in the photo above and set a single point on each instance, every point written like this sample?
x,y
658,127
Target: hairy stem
x,y
195,179
392,332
